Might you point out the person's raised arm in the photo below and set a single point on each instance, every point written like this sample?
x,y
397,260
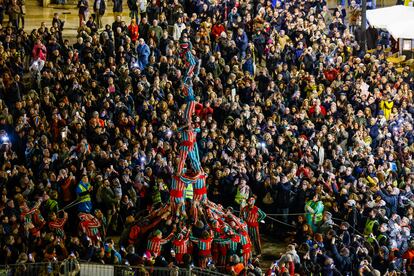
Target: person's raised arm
x,y
261,214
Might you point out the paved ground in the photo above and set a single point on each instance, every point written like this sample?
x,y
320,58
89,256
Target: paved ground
x,y
271,251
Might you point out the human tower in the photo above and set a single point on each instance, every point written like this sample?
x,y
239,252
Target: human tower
x,y
226,234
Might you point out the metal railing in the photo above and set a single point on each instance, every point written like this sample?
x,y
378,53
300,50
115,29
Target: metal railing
x,y
75,268
196,271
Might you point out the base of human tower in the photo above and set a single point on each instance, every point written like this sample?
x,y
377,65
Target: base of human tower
x,y
206,231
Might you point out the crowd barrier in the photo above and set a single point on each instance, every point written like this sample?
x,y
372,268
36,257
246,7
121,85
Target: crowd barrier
x,y
74,268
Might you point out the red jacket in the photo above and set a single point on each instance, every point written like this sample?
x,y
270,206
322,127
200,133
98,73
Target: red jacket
x,y
39,51
198,109
67,189
206,111
321,108
133,32
331,75
409,256
216,30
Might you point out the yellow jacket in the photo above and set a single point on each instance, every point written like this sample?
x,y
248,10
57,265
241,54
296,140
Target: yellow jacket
x,y
386,106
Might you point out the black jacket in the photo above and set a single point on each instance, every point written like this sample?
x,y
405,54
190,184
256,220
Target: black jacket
x,y
343,263
101,8
283,194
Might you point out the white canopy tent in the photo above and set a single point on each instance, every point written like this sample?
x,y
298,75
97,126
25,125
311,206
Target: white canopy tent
x,y
397,20
402,29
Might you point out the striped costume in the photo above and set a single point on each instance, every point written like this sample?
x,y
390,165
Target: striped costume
x,y
200,189
32,218
233,220
190,62
246,246
211,214
188,147
218,241
189,180
177,193
229,246
204,250
216,210
191,103
253,215
90,226
57,226
38,219
154,244
233,245
194,211
180,247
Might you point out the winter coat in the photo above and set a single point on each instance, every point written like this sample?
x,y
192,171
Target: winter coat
x,y
386,106
242,42
101,8
133,32
391,200
143,55
39,52
108,196
343,263
83,7
117,6
283,195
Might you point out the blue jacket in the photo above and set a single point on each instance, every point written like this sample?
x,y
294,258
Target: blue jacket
x,y
242,42
248,66
391,200
374,131
143,55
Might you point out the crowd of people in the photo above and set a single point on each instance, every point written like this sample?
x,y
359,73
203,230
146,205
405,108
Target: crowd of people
x,y
291,108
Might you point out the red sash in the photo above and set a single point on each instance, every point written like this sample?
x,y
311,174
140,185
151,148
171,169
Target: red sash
x,y
176,193
201,191
246,248
187,144
253,224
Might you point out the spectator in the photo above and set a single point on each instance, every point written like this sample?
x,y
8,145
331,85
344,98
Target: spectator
x,y
14,13
117,9
83,7
99,8
179,26
143,54
133,31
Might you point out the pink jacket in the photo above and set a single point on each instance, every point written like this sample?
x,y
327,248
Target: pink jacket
x,y
39,51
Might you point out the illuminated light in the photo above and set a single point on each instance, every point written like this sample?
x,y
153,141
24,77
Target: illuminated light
x,y
5,139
